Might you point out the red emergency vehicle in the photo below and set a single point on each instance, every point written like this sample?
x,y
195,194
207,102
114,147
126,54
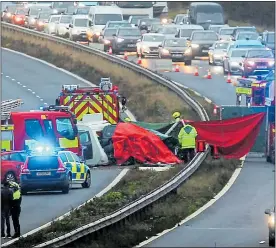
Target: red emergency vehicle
x,y
89,100
53,126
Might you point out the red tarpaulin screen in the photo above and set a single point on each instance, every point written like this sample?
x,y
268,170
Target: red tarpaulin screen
x,y
130,140
234,137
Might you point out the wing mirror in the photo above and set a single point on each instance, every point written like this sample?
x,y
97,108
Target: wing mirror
x,y
267,211
124,101
90,23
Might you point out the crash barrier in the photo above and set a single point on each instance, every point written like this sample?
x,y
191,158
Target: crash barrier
x,y
8,105
149,198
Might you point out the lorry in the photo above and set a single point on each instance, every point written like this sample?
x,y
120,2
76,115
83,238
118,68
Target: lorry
x,y
103,99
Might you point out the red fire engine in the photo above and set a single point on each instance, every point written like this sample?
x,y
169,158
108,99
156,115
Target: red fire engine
x,y
89,100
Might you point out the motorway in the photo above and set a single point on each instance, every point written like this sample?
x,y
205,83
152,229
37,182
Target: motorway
x,y
36,83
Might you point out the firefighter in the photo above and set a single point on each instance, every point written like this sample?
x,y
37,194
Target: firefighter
x,y
16,207
187,141
176,116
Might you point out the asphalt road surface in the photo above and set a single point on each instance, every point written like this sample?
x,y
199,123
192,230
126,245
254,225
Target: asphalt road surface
x,y
42,85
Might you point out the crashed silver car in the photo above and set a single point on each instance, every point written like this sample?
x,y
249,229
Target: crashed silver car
x,y
232,61
217,52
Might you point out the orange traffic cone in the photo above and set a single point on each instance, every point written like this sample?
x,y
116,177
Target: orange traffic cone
x,y
176,68
196,71
110,50
209,76
201,145
139,62
125,56
215,110
229,78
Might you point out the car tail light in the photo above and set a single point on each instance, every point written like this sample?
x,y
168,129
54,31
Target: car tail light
x,y
61,168
25,171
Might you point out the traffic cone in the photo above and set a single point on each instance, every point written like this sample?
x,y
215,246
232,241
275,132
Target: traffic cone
x,y
214,152
125,56
110,50
139,62
209,76
201,145
229,78
176,68
215,110
196,72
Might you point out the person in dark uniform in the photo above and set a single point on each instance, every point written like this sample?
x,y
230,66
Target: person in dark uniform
x,y
6,201
15,207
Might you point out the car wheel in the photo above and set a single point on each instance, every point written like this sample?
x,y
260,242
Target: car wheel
x,y
87,182
66,189
188,62
268,159
10,176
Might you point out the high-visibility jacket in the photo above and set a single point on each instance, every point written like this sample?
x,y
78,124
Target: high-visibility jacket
x,y
16,190
187,137
177,119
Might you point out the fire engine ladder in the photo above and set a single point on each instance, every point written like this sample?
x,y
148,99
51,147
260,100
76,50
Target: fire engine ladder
x,y
7,106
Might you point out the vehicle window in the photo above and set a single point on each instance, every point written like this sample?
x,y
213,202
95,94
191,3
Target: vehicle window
x,y
16,157
63,157
260,54
48,125
109,131
23,156
7,135
76,158
175,43
110,32
69,157
186,32
179,18
223,45
33,129
271,38
135,19
65,128
62,4
81,23
167,30
204,36
238,53
5,157
226,31
248,29
83,11
34,11
118,24
206,17
250,36
84,137
153,38
54,19
43,163
129,32
102,19
44,15
65,19
148,21
21,12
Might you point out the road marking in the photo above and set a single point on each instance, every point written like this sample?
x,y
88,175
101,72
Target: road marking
x,y
203,208
29,90
24,86
2,73
37,96
7,76
45,103
207,100
19,83
33,92
13,79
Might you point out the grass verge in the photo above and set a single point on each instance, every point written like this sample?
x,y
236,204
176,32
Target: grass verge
x,y
148,101
207,181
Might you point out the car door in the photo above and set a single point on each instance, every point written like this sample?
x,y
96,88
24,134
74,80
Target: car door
x,y
73,165
86,144
65,161
80,168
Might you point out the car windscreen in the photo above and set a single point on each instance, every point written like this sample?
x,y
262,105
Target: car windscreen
x,y
81,23
35,11
221,45
62,4
215,18
186,32
179,18
102,19
129,32
246,29
149,21
110,32
21,12
226,31
135,19
65,19
167,30
44,15
119,24
204,36
249,36
271,38
260,54
215,29
43,163
153,38
238,53
54,19
83,11
175,43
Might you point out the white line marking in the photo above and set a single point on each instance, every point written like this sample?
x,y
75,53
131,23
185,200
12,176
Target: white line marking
x,y
2,73
7,76
19,83
200,210
41,99
29,90
37,96
13,79
33,92
207,100
45,103
24,86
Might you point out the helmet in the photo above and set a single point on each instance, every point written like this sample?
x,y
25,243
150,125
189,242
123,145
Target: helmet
x,y
127,119
176,115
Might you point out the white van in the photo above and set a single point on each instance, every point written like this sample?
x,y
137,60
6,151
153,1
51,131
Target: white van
x,y
78,28
99,16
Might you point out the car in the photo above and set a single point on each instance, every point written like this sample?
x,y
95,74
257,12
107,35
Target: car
x,y
18,18
200,42
186,30
11,163
106,37
243,29
71,10
62,27
31,16
176,49
83,10
125,40
50,27
8,12
225,33
245,44
42,20
134,19
217,52
117,24
271,226
268,39
231,63
154,27
216,28
147,22
79,28
169,31
258,61
246,36
179,18
149,44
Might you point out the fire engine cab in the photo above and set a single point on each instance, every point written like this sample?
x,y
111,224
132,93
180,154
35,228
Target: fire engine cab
x,y
53,126
89,100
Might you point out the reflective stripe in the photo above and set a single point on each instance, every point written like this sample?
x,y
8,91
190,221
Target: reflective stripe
x,y
16,195
6,144
66,143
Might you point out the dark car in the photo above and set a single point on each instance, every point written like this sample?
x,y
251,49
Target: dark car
x,y
258,62
268,39
200,42
107,37
125,40
271,226
176,49
41,20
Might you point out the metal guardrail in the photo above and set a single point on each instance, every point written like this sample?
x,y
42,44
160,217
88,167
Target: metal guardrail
x,y
156,194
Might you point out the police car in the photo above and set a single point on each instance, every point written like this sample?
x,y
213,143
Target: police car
x,y
46,169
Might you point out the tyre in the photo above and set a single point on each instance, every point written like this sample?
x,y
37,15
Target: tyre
x,y
87,182
188,62
10,176
66,189
268,159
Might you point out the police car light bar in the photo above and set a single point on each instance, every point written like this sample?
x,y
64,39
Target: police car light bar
x,y
56,108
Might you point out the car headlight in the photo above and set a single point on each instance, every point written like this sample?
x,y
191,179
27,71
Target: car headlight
x,y
271,63
32,21
106,41
251,63
165,51
164,21
234,63
194,45
120,39
188,51
55,11
8,14
98,33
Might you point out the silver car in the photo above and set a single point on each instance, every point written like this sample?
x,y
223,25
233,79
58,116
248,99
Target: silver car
x,y
217,52
216,28
232,61
247,36
226,33
169,31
